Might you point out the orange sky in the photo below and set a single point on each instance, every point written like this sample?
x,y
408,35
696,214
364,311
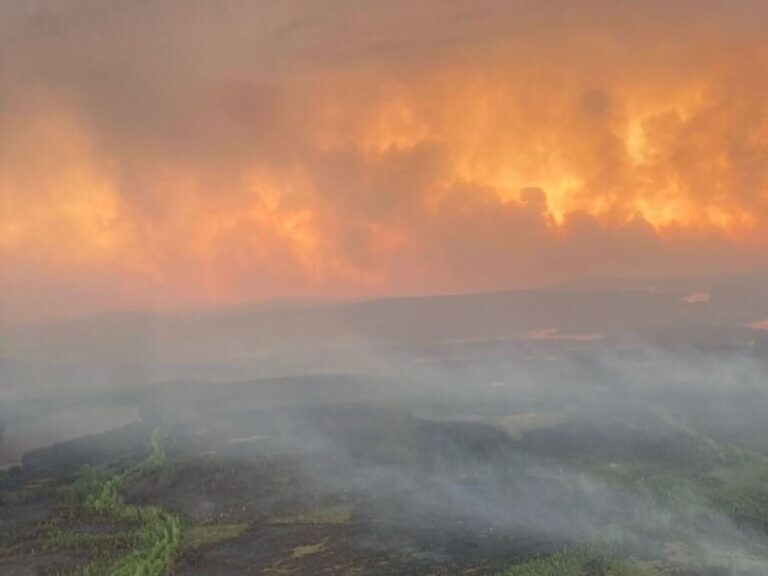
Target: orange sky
x,y
178,152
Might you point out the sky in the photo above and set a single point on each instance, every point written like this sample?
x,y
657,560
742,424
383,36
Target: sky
x,y
185,152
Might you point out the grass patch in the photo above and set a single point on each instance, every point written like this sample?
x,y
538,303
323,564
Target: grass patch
x,y
308,550
207,534
155,535
339,514
157,455
579,562
96,543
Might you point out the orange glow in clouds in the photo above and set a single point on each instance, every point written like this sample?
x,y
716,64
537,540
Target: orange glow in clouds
x,y
509,161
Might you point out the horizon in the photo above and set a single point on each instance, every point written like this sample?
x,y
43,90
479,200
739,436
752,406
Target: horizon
x,y
248,152
384,287
593,283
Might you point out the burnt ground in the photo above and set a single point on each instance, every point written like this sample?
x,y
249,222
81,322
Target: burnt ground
x,y
347,489
343,490
35,501
368,488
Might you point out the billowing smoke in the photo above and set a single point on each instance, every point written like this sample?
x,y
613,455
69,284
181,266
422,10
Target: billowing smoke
x,y
195,153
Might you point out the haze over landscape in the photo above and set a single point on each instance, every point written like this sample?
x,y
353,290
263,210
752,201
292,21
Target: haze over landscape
x,y
382,288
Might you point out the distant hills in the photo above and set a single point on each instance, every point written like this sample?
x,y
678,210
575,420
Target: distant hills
x,y
306,337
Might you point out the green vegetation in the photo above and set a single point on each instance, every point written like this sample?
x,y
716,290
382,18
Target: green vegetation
x,y
158,541
307,550
99,543
579,562
732,482
156,456
207,534
288,565
670,497
738,488
337,514
155,538
121,539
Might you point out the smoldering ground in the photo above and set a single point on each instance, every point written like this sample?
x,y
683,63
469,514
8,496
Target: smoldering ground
x,y
595,449
470,432
613,466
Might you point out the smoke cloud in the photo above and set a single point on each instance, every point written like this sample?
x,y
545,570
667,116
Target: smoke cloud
x,y
171,153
